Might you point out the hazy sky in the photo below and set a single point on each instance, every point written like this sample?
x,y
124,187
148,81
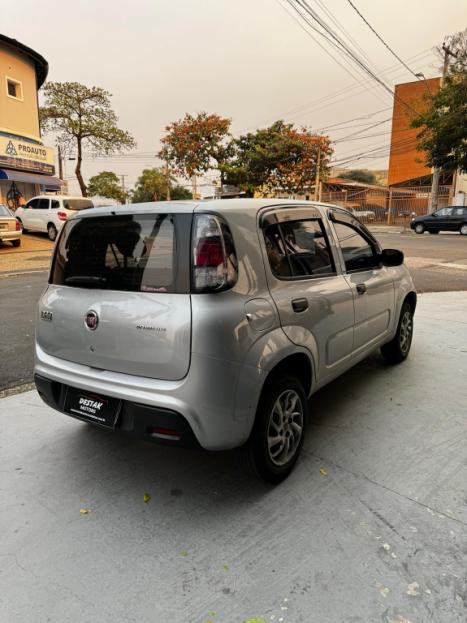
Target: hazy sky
x,y
244,59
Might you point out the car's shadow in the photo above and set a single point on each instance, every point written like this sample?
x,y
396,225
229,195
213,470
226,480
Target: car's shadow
x,y
102,457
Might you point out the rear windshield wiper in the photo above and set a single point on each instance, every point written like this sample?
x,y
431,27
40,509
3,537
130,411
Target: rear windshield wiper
x,y
90,279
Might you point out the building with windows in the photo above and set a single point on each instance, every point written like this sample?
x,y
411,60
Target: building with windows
x,y
27,166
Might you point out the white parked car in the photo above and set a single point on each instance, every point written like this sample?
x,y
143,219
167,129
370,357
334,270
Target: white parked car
x,y
48,213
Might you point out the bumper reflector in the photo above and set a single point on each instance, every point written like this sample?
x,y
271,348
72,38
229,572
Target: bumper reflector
x,y
164,433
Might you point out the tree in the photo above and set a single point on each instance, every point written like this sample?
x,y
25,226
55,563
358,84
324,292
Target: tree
x,y
177,193
151,185
443,129
82,117
196,144
279,157
359,175
106,184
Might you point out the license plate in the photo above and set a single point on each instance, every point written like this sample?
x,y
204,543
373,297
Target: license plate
x,y
92,407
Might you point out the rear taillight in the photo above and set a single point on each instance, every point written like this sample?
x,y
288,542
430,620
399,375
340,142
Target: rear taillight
x,y
214,258
62,216
18,226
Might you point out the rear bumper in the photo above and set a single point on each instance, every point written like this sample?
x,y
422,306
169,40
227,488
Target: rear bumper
x,y
217,399
10,235
134,419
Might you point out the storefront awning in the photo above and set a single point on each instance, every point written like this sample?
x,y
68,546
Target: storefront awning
x,y
47,182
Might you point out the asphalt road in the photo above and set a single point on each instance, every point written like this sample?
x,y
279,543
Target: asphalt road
x,y
18,299
437,263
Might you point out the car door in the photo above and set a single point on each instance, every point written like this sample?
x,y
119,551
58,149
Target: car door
x,y
28,214
42,214
458,217
440,220
372,284
313,298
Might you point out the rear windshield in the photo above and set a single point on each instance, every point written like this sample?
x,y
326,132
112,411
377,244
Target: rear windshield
x,y
135,253
77,204
4,211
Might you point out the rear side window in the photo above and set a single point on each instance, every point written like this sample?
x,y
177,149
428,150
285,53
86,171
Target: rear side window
x,y
135,253
299,249
77,204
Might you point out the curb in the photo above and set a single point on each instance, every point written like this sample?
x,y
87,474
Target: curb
x,y
17,389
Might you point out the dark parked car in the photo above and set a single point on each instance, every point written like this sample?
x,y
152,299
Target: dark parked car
x,y
445,219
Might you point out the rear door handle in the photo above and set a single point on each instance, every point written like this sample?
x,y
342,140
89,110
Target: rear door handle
x,y
299,305
361,288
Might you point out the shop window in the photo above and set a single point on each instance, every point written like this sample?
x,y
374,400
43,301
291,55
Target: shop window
x,y
14,89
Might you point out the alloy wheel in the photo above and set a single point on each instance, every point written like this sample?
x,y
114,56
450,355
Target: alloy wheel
x,y
405,332
464,230
51,232
285,427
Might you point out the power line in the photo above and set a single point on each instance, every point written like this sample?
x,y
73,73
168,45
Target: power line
x,y
333,39
382,40
336,60
345,48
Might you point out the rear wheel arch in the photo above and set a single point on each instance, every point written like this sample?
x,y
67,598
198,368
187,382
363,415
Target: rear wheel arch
x,y
297,365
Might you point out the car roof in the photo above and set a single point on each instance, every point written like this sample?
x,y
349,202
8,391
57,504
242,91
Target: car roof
x,y
219,206
59,197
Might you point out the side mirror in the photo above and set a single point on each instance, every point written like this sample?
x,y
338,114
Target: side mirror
x,y
391,257
433,214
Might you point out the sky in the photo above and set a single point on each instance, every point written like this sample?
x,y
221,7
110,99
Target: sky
x,y
248,60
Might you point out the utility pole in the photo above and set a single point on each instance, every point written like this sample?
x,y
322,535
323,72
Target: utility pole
x,y
318,165
436,171
60,162
122,177
167,177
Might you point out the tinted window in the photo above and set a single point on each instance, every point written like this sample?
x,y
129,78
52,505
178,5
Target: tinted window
x,y
42,204
55,204
32,204
298,249
277,255
459,211
443,212
77,204
125,252
358,253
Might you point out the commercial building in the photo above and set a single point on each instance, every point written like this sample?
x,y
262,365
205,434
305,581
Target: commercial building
x,y
27,166
407,165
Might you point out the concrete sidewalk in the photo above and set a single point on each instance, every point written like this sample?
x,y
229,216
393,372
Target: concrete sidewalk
x,y
371,527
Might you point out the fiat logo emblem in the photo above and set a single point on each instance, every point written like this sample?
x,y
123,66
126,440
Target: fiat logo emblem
x,y
91,320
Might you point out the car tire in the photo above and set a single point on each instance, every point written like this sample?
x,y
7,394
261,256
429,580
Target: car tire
x,y
282,415
51,232
419,228
397,350
16,243
434,231
463,229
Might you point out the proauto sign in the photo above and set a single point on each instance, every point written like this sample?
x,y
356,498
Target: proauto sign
x,y
26,156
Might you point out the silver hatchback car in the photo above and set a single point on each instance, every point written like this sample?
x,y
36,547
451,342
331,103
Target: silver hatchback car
x,y
212,323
